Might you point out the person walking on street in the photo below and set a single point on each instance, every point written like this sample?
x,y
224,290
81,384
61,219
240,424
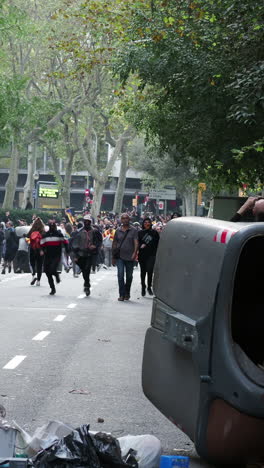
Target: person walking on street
x,y
148,240
51,245
11,246
85,246
124,249
21,257
75,268
36,257
108,237
2,238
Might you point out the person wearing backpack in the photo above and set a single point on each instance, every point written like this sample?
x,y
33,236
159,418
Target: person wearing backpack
x,y
36,257
52,243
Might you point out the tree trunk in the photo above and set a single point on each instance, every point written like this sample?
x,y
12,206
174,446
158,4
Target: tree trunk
x,y
190,202
66,188
29,185
119,195
10,187
99,186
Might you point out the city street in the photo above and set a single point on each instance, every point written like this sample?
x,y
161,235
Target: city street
x,y
76,359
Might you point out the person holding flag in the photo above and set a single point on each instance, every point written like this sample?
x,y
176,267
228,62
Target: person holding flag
x,y
69,214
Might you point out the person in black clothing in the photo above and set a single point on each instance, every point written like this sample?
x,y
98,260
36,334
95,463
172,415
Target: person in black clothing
x,y
29,205
148,240
51,244
85,246
2,238
11,246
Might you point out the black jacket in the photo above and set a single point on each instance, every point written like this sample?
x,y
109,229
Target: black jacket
x,y
150,238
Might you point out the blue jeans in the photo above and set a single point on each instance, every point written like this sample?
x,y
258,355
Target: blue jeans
x,y
122,266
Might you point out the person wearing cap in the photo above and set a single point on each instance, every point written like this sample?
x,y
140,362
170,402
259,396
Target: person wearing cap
x,y
85,246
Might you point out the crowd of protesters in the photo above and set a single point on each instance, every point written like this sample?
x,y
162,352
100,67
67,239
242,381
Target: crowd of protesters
x,y
84,245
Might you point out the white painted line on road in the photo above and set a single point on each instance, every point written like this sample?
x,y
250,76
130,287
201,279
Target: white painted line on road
x,y
59,318
14,362
40,336
100,279
94,283
36,308
71,306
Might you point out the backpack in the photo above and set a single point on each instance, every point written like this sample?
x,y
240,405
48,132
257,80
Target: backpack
x,y
35,239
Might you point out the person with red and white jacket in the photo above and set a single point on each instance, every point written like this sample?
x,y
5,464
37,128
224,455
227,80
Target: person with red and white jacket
x,y
52,243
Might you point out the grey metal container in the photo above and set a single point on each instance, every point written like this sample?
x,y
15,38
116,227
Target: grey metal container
x,y
205,347
7,442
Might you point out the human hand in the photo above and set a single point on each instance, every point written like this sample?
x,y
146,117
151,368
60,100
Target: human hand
x,y
248,205
143,246
113,261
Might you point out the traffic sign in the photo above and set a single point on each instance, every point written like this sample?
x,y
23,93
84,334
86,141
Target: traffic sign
x,y
34,193
163,194
161,205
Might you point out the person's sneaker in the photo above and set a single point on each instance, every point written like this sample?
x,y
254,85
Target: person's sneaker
x,y
126,298
105,267
3,272
76,275
121,298
33,281
143,291
58,280
52,292
93,272
150,291
38,283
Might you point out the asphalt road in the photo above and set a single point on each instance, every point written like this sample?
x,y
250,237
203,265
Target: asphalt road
x,y
76,359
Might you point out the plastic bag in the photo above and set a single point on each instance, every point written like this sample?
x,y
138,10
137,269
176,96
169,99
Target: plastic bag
x,y
109,452
75,450
147,447
80,449
43,436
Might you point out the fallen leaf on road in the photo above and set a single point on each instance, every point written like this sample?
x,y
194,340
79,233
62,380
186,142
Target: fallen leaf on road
x,y
79,392
104,341
100,420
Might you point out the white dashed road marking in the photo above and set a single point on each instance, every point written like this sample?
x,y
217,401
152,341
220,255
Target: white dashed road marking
x,y
71,306
59,318
14,362
40,336
82,296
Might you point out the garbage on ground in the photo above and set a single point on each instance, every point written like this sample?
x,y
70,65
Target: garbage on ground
x,y
170,461
59,445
